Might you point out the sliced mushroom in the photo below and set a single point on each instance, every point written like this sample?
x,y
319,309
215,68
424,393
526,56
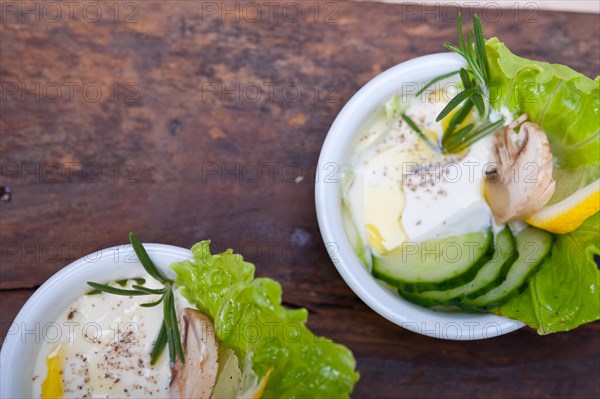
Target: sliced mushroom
x,y
521,183
196,378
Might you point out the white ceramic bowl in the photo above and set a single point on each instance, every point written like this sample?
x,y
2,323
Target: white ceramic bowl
x,y
21,347
339,142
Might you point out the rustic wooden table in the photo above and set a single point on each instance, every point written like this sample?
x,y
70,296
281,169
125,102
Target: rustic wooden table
x,y
186,120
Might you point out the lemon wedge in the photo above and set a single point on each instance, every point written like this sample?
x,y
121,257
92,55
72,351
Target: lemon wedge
x,y
261,387
568,214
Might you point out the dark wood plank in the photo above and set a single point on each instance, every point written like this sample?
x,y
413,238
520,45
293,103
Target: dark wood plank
x,y
174,159
179,162
12,301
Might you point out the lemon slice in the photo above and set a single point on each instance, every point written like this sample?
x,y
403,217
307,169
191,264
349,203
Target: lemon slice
x,y
261,387
568,214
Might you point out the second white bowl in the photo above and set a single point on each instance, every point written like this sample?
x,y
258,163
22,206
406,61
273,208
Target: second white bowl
x,y
26,333
352,119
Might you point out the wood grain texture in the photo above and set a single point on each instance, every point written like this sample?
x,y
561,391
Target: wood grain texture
x,y
203,103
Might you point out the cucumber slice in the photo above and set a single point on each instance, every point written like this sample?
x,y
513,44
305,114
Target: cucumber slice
x,y
492,274
534,246
435,264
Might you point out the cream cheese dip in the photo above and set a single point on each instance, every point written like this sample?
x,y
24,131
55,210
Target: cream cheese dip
x,y
396,188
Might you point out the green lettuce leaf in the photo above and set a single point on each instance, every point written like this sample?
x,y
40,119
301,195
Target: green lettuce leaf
x,y
564,294
564,102
250,319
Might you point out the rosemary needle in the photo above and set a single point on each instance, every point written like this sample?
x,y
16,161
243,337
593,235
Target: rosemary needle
x,y
414,127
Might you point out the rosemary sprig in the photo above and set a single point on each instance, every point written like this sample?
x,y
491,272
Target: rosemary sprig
x,y
169,331
475,79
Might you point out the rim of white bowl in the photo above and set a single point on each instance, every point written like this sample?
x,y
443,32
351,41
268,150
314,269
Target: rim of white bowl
x,y
339,140
12,349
